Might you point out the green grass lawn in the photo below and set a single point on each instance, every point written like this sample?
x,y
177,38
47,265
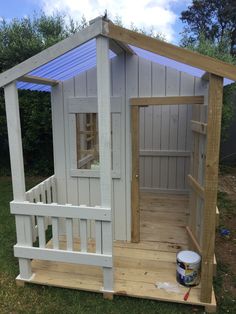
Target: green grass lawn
x,y
42,299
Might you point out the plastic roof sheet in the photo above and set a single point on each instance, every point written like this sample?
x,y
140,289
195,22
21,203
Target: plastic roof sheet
x,y
83,58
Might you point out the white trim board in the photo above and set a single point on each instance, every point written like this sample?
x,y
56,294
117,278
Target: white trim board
x,y
89,173
90,104
104,260
64,211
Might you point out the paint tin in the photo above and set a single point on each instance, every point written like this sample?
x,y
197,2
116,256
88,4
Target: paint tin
x,y
188,268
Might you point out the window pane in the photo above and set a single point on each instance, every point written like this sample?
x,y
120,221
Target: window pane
x,y
87,141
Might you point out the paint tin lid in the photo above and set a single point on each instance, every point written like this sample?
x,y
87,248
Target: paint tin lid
x,y
189,257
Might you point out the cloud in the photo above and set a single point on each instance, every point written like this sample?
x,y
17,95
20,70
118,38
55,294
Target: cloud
x,y
156,14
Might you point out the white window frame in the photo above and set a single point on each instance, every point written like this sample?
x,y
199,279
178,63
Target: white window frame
x,y
89,105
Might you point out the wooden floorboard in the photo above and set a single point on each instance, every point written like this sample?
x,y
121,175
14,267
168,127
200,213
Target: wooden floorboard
x,y
137,266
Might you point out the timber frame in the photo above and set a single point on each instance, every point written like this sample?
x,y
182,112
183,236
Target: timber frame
x,y
203,182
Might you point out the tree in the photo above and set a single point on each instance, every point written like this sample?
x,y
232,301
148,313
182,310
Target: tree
x,y
219,51
19,40
211,30
215,19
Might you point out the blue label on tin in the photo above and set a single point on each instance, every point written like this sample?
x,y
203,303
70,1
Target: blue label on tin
x,y
187,274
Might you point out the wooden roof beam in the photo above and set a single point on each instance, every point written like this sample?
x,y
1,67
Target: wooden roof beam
x,y
125,48
165,49
119,47
38,80
167,100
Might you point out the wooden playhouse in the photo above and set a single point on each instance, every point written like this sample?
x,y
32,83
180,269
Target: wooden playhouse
x,y
136,150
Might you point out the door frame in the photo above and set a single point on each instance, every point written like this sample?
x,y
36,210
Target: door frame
x,y
135,104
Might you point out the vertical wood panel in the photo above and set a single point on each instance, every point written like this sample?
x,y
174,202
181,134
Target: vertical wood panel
x,y
59,149
104,123
131,91
41,231
69,234
164,128
211,183
158,89
145,89
197,163
184,131
165,123
23,224
72,189
59,146
83,235
119,129
172,88
95,200
93,182
55,233
98,236
83,195
135,229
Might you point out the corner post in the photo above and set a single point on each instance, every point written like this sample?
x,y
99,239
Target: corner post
x,y
104,123
211,184
23,223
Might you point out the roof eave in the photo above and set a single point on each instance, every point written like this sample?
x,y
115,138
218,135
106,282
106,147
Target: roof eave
x,y
171,51
52,52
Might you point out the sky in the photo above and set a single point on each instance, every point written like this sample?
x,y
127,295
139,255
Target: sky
x,y
161,15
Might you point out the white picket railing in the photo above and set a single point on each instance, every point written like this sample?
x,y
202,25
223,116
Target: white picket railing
x,y
41,209
44,192
70,213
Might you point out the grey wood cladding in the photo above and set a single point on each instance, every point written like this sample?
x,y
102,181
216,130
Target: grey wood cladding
x,y
162,129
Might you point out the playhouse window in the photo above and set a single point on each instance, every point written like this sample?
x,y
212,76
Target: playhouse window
x,y
87,141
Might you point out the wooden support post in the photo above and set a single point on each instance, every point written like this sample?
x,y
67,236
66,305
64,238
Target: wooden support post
x,y
23,223
211,182
104,124
135,217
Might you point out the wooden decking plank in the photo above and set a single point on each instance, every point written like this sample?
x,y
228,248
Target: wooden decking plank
x,y
147,245
137,266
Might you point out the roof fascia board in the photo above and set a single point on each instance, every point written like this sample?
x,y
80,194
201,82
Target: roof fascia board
x,y
52,53
176,53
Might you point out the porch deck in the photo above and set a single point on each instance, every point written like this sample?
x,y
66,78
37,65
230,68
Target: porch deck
x,y
137,266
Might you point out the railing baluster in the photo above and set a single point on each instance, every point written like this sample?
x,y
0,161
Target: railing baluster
x,y
98,236
69,233
48,189
36,195
30,198
42,191
41,231
55,233
83,235
43,200
54,191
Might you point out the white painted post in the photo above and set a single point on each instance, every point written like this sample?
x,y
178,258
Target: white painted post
x,y
23,223
104,123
